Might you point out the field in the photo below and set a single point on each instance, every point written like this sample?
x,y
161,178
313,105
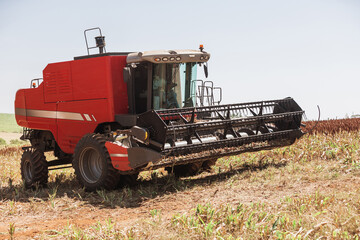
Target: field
x,y
332,126
310,190
8,123
10,132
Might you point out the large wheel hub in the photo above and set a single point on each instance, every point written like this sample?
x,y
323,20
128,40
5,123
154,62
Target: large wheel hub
x,y
90,164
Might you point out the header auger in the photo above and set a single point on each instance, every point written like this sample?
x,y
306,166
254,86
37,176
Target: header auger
x,y
111,115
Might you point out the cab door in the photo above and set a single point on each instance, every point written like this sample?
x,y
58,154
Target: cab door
x,y
141,91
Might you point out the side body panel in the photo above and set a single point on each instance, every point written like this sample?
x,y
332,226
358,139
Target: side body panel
x,y
119,156
31,112
74,98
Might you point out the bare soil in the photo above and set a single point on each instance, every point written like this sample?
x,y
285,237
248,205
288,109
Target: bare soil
x,y
9,136
84,215
317,164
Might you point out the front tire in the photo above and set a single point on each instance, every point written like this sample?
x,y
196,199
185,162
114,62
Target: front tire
x,y
92,164
34,168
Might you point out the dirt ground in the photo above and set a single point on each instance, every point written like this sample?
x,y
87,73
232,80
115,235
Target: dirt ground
x,y
317,164
84,215
10,136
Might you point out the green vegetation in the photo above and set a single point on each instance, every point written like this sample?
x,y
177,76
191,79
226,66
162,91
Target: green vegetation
x,y
309,216
309,190
8,123
2,141
17,142
313,216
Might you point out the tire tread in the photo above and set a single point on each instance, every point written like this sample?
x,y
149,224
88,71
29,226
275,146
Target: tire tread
x,y
108,181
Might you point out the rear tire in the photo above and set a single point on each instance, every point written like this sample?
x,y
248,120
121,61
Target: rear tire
x,y
92,164
34,168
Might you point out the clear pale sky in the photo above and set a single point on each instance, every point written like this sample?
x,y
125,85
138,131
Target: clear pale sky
x,y
260,50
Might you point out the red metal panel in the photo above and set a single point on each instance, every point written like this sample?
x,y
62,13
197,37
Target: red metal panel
x,y
119,156
119,87
35,100
71,130
74,98
57,82
91,78
20,104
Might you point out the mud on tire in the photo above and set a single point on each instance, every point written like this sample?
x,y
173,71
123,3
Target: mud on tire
x,y
34,168
92,164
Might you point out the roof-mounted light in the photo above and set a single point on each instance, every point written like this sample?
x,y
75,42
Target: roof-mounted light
x,y
178,58
164,58
157,59
201,47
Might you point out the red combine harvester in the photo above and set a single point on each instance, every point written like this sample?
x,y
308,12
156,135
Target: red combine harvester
x,y
112,115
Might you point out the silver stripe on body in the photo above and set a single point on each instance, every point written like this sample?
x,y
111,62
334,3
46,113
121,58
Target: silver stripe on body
x,y
118,155
87,117
48,114
20,111
69,116
40,113
94,117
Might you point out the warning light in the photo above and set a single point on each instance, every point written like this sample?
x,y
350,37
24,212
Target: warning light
x,y
201,47
34,85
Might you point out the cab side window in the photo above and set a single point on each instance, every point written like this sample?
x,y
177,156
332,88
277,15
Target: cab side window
x,y
141,88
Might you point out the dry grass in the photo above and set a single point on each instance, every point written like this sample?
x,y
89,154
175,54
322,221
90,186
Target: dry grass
x,y
333,126
307,191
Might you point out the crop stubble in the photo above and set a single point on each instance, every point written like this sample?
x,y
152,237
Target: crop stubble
x,y
316,181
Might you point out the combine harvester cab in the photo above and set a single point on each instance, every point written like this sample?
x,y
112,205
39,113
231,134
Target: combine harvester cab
x,y
112,115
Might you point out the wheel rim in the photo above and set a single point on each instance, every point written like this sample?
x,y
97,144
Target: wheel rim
x,y
90,164
28,171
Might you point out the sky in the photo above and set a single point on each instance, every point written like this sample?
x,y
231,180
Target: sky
x,y
260,49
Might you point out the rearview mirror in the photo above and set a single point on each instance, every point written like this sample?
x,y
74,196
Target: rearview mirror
x,y
206,70
127,74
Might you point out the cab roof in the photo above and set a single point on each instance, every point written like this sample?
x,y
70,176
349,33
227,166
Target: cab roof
x,y
168,56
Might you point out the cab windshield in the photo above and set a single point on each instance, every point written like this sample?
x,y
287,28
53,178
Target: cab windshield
x,y
173,85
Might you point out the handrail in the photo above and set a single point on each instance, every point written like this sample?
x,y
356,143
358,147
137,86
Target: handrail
x,y
35,82
87,46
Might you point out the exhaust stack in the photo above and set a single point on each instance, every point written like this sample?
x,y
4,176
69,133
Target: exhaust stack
x,y
100,43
